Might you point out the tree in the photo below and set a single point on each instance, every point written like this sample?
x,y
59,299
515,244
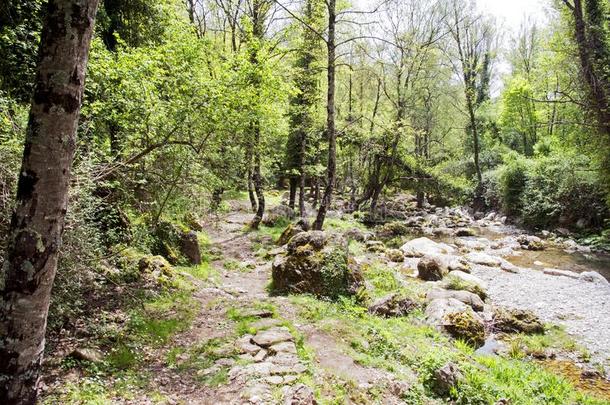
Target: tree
x,y
303,104
37,224
591,37
472,38
331,172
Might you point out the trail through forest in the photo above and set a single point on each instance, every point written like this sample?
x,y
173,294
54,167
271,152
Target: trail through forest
x,y
279,349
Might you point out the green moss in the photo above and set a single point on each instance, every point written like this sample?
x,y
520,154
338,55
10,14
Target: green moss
x,y
456,283
464,326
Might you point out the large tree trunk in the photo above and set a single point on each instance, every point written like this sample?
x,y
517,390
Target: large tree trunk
x,y
588,45
330,121
42,196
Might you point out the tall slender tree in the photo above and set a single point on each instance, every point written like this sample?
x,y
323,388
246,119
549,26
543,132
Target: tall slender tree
x,y
303,104
42,196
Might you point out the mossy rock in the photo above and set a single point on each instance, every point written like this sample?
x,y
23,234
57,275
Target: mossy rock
x,y
517,321
156,269
392,230
290,231
395,255
316,263
464,325
178,244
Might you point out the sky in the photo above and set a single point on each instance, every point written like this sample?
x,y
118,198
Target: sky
x,y
512,12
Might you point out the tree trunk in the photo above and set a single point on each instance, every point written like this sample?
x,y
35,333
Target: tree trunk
x,y
293,191
475,138
593,78
330,120
258,187
42,196
251,196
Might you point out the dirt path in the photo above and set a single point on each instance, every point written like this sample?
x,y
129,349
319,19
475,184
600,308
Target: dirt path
x,y
255,381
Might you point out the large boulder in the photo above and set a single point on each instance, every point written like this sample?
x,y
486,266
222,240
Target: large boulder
x,y
392,305
516,320
278,213
179,245
189,247
423,246
468,298
431,269
316,263
457,319
391,230
290,231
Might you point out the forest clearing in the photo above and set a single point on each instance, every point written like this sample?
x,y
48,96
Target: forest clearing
x,y
305,202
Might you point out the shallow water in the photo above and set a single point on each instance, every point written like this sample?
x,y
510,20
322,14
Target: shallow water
x,y
550,257
556,258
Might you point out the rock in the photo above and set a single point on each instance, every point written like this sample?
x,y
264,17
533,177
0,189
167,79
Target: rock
x,y
438,308
431,269
395,255
375,246
564,273
167,240
483,259
156,268
423,246
391,230
260,356
392,305
468,298
245,345
458,280
516,321
491,347
275,380
289,232
189,247
87,354
509,267
316,263
446,378
299,395
593,277
277,214
465,232
358,235
530,242
283,347
272,336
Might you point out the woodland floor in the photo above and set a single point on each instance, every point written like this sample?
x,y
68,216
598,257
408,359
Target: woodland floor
x,y
341,354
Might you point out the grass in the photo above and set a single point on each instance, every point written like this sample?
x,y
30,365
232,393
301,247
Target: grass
x,y
150,323
403,344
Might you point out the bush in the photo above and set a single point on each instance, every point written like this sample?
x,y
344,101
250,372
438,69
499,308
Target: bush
x,y
548,191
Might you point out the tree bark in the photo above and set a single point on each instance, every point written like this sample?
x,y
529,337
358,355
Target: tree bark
x,y
42,196
293,191
330,120
587,46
